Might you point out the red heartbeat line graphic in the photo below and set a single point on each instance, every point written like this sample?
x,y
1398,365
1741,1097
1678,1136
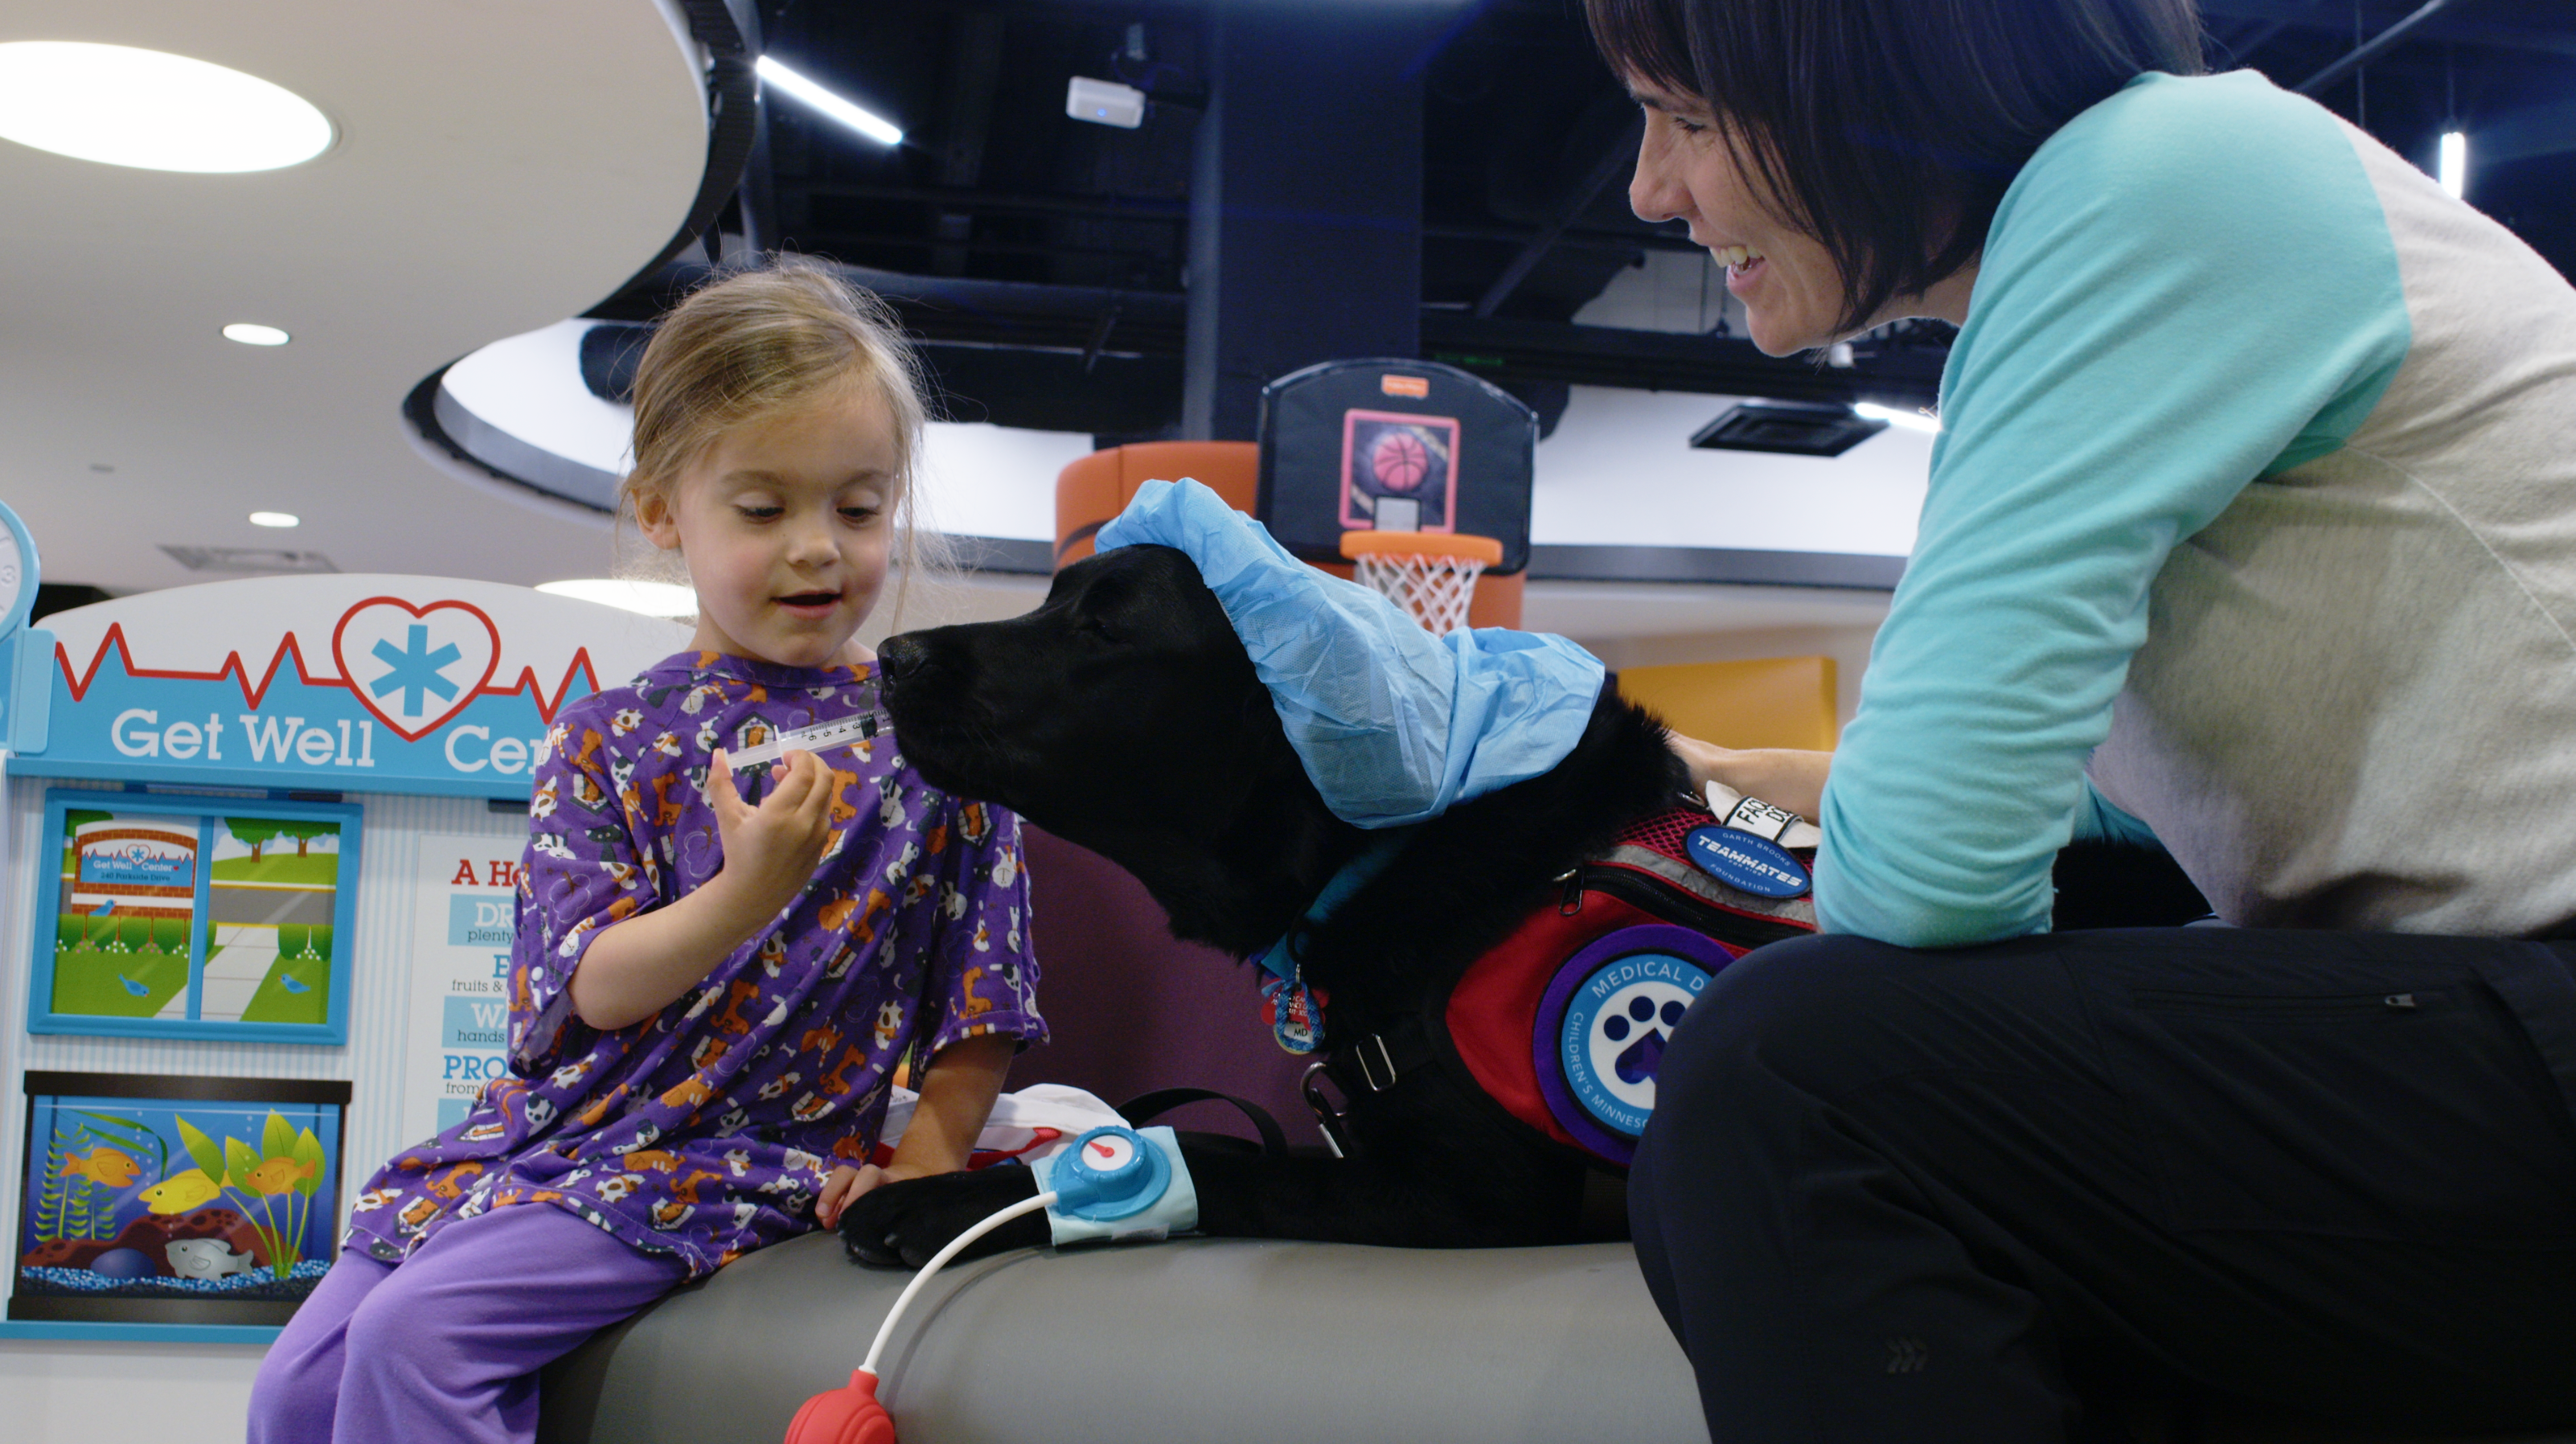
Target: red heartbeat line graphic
x,y
253,692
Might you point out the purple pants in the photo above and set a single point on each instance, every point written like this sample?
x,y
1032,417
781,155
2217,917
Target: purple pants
x,y
447,1346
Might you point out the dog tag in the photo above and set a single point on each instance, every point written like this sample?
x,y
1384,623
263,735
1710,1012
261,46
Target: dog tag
x,y
1296,1014
1748,861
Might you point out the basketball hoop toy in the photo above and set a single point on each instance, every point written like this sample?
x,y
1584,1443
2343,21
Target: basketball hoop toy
x,y
1431,575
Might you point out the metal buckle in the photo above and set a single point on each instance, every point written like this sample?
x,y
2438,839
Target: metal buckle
x,y
1325,1118
1368,1075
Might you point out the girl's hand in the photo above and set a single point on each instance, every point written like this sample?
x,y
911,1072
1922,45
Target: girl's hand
x,y
847,1184
770,851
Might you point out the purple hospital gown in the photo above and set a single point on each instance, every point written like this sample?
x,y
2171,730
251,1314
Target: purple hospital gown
x,y
705,1132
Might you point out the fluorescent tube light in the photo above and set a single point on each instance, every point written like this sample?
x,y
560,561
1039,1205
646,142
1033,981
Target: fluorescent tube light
x,y
883,132
251,333
1911,420
275,518
2454,169
151,110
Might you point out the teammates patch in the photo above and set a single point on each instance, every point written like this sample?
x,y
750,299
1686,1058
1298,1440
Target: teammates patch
x,y
1744,860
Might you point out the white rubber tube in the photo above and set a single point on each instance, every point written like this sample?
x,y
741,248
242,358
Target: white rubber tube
x,y
940,1260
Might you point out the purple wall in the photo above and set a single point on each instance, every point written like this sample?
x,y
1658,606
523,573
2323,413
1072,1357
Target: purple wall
x,y
1133,1009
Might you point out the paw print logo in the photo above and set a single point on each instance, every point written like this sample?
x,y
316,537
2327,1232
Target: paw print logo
x,y
1636,1063
1612,1017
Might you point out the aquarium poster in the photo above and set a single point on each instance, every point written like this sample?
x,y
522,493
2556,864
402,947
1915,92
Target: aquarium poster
x,y
184,1201
194,917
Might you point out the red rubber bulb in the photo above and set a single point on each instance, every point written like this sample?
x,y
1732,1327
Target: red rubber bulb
x,y
848,1415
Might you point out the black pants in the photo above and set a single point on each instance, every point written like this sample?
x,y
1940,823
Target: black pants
x,y
1893,1197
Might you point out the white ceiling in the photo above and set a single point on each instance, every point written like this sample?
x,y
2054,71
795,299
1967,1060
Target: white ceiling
x,y
500,165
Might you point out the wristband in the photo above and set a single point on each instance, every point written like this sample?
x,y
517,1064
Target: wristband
x,y
1175,1210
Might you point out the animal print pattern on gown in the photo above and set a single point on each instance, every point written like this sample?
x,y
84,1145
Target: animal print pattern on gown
x,y
706,1131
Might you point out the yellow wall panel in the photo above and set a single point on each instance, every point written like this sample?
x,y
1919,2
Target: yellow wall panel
x,y
1767,702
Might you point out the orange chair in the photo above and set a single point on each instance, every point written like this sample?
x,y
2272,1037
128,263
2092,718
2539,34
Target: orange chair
x,y
1767,702
1099,486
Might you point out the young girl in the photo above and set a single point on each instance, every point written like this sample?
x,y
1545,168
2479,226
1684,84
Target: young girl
x,y
715,975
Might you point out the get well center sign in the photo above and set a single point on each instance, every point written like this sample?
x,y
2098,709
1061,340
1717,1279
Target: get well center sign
x,y
338,683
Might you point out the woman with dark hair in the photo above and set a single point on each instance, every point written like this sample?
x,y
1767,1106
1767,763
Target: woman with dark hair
x,y
2251,536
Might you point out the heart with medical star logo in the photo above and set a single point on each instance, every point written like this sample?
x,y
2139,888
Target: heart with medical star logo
x,y
415,667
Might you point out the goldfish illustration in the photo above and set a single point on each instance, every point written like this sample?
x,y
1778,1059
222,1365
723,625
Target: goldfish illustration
x,y
207,1258
179,1192
277,1175
103,1166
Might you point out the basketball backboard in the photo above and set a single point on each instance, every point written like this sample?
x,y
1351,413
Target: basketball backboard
x,y
1394,445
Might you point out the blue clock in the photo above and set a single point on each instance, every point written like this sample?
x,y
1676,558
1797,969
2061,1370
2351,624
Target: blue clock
x,y
23,699
17,574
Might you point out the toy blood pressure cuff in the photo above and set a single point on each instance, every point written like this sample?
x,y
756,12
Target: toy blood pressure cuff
x,y
1120,1185
1563,1024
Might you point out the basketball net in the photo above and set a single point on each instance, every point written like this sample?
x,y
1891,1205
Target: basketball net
x,y
1431,575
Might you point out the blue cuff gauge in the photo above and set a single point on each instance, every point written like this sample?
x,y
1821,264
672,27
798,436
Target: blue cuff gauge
x,y
1118,1183
1110,1173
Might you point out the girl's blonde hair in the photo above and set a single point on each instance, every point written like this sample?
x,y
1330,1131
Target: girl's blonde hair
x,y
759,342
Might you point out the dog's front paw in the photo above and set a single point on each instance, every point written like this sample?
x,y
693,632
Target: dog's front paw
x,y
903,1224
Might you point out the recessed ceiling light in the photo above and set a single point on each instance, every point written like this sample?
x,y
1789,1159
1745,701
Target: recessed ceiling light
x,y
151,110
250,333
275,518
653,599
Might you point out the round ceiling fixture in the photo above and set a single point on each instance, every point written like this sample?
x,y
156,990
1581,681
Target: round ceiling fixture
x,y
155,111
251,333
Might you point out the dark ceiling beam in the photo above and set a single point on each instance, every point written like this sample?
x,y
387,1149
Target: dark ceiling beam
x,y
2255,35
2371,49
1616,161
2522,134
1585,239
975,72
958,312
2486,26
1120,208
1504,347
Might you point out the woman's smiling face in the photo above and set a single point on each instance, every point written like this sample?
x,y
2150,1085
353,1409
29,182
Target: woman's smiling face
x,y
1790,284
1791,289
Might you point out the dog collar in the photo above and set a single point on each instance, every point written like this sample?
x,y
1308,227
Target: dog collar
x,y
1297,1011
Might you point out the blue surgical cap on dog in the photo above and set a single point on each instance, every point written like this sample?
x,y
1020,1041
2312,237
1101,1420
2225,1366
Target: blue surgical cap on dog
x,y
1393,724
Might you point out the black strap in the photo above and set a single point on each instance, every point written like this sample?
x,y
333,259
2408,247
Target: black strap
x,y
1138,1109
1372,1062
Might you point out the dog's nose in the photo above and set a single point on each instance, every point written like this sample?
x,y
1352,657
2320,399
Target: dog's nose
x,y
901,657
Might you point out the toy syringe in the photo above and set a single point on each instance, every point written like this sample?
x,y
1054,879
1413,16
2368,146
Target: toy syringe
x,y
820,737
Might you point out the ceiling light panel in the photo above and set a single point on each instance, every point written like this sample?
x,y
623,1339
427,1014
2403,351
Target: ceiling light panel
x,y
151,110
251,333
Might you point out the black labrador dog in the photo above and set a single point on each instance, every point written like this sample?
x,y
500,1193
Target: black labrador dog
x,y
1123,715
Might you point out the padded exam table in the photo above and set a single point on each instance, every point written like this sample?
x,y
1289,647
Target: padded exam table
x,y
1198,1341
